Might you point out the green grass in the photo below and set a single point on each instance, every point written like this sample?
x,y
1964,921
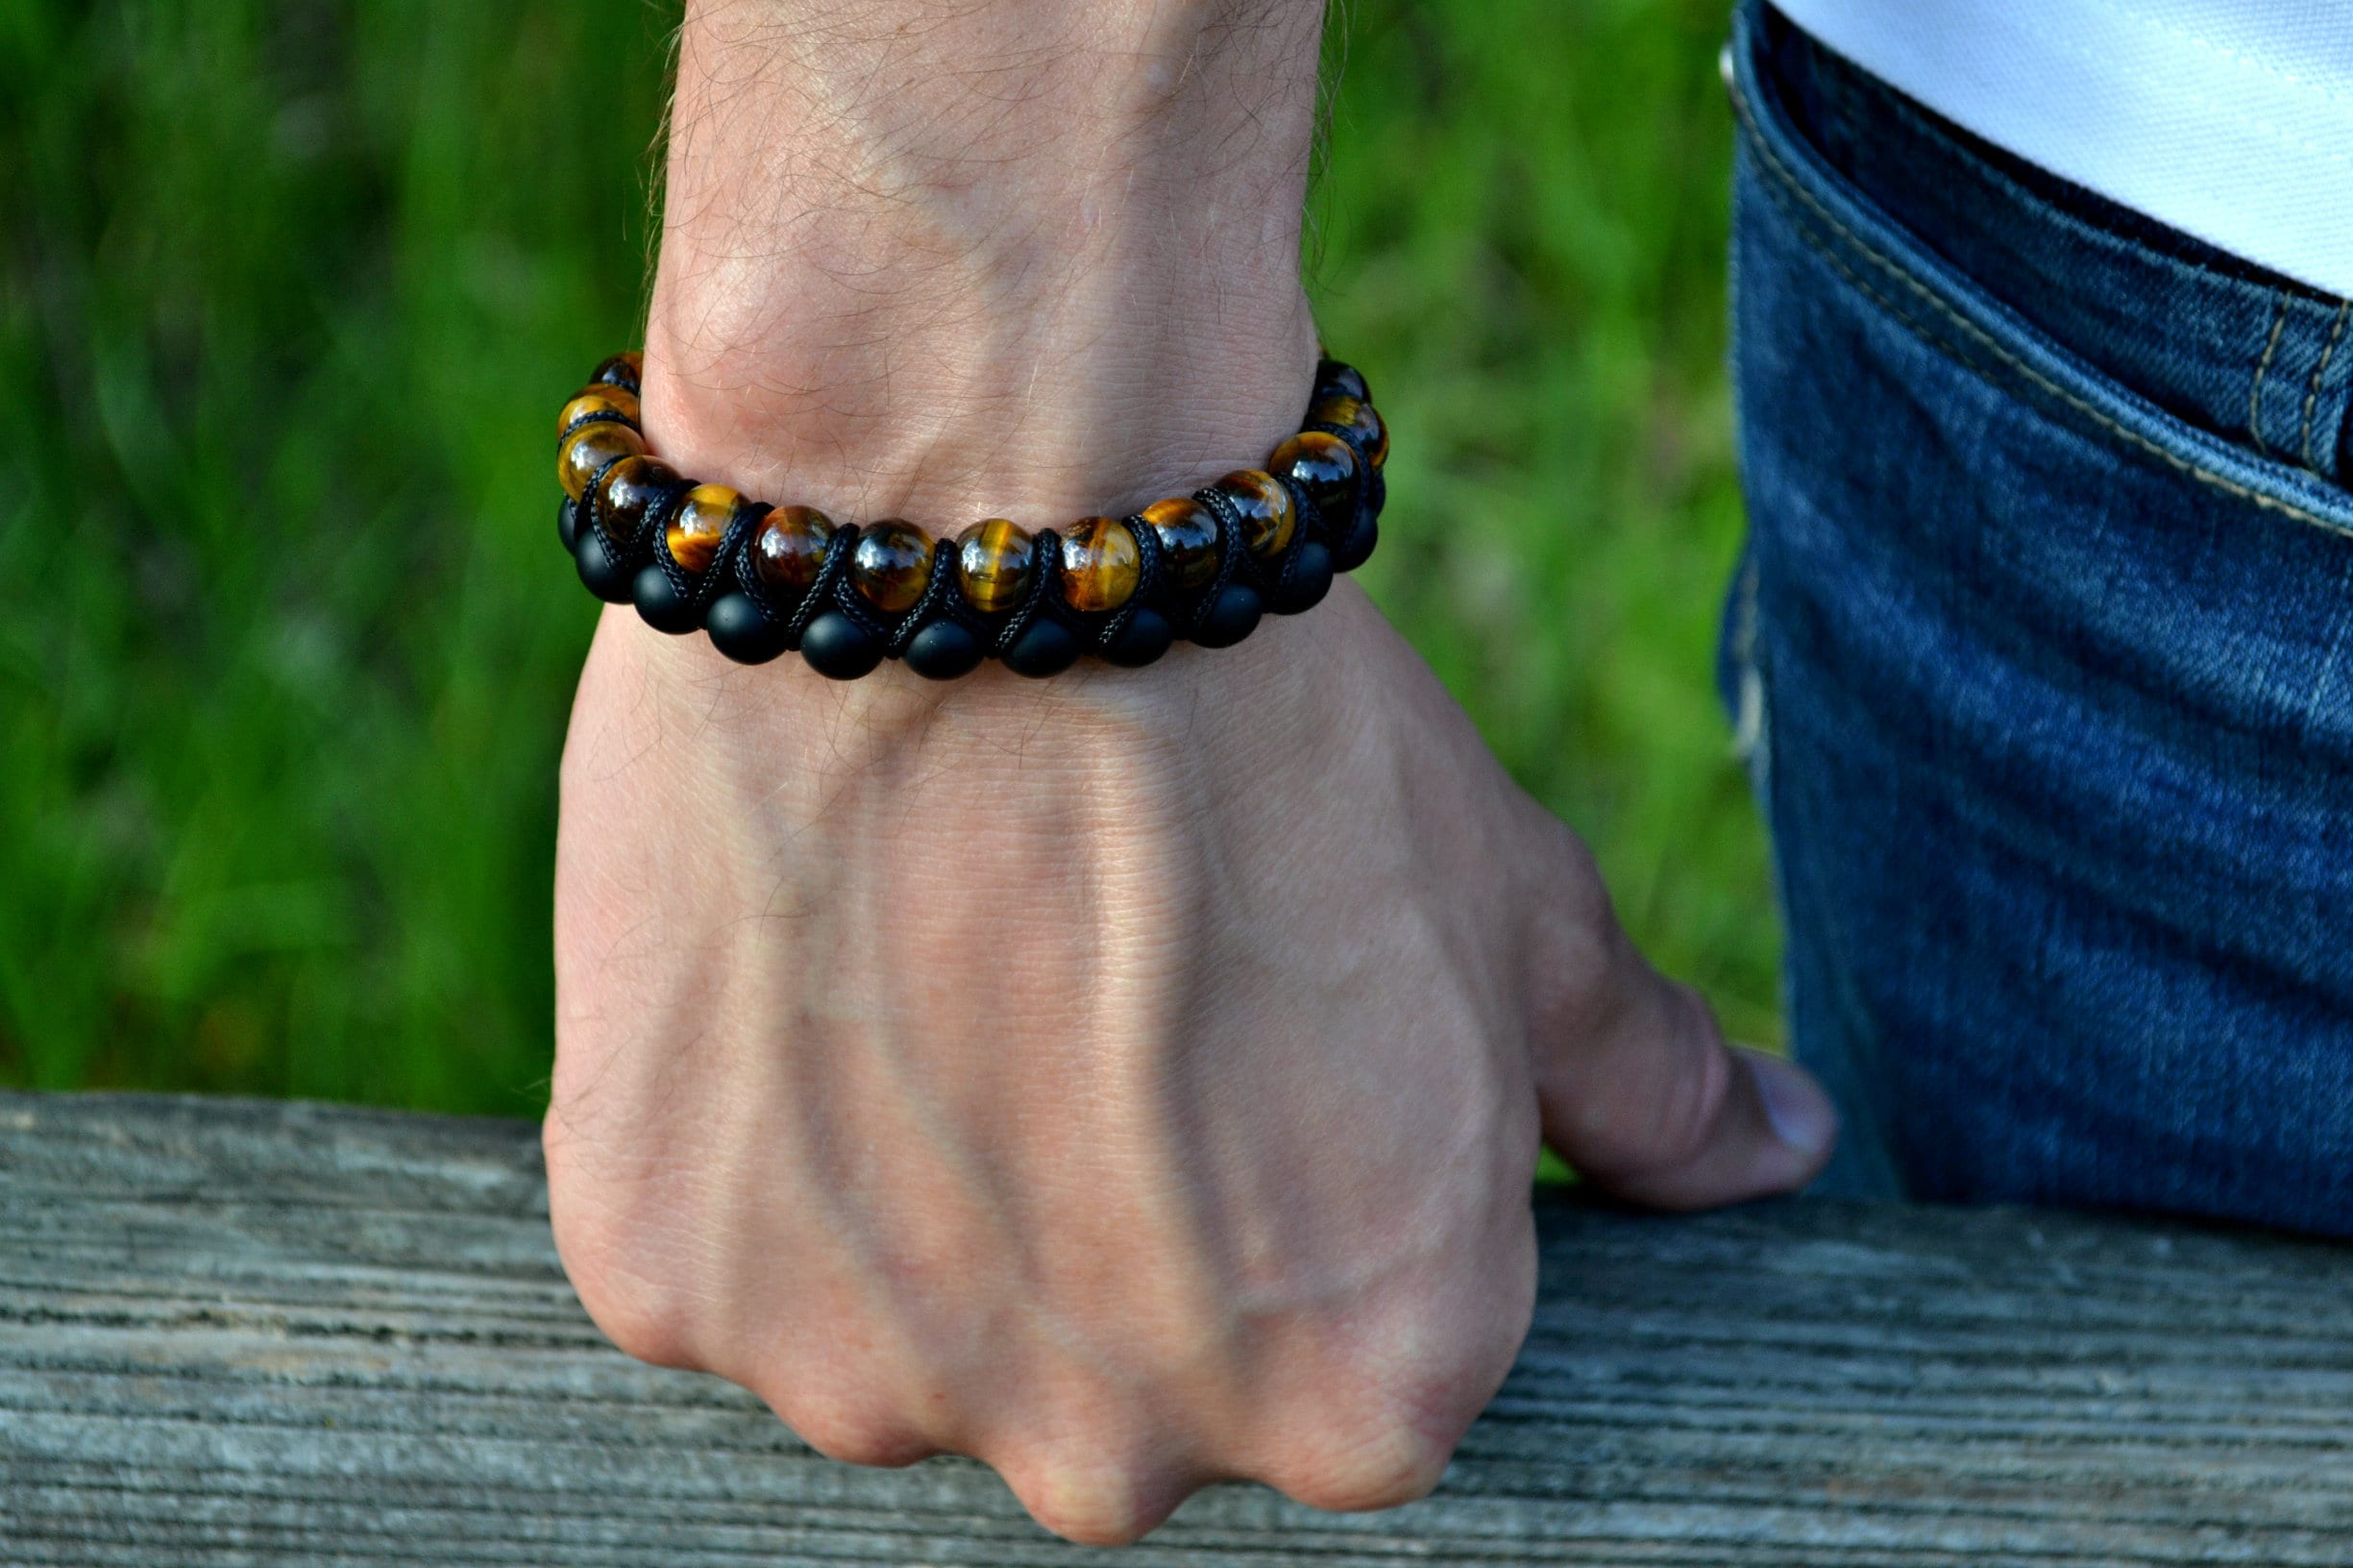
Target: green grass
x,y
287,288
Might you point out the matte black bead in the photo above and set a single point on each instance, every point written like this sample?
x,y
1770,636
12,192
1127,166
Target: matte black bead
x,y
1233,617
567,522
1047,649
741,630
942,651
660,604
1336,380
837,647
1145,637
606,576
1356,548
1309,580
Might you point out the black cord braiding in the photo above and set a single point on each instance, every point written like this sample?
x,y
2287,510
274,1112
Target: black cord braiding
x,y
591,510
1149,570
595,416
832,583
734,542
1233,557
941,601
653,529
1043,594
1312,524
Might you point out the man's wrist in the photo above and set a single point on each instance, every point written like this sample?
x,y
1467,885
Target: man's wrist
x,y
1017,258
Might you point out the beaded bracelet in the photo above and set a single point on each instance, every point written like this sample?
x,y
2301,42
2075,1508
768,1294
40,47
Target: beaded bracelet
x,y
763,580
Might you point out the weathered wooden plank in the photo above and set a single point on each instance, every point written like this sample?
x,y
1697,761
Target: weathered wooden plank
x,y
255,1333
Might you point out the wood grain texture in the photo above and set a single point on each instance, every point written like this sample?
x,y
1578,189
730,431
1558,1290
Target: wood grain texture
x,y
257,1333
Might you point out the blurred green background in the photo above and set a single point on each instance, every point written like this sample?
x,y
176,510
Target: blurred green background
x,y
290,289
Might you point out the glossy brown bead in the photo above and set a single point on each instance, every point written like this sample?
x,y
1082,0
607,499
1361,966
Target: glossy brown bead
x,y
1321,464
790,547
1360,419
628,491
1268,516
1101,564
993,565
628,366
892,564
589,448
1187,534
597,400
697,526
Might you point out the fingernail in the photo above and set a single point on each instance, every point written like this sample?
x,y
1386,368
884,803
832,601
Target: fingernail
x,y
1800,1112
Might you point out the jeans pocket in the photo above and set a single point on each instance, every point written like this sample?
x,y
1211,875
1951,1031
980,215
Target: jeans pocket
x,y
2059,686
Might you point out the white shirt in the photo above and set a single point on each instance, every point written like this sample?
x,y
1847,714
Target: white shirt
x,y
2231,120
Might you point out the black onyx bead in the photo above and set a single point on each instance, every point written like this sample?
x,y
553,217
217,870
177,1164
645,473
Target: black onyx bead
x,y
567,522
1233,617
837,647
1355,548
606,573
943,651
741,630
660,604
1046,649
1310,578
1144,638
1336,380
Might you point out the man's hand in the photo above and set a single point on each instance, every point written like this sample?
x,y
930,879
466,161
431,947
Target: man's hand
x,y
1132,1079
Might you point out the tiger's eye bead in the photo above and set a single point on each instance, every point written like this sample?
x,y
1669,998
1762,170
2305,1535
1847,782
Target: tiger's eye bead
x,y
699,524
1188,533
1101,563
892,564
589,448
597,400
1360,419
624,369
1321,464
1334,379
1268,517
790,547
628,490
993,565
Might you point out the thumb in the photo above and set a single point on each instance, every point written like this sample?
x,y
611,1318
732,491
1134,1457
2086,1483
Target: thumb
x,y
1640,1093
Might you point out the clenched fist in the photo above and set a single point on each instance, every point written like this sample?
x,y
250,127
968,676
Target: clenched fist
x,y
1132,1079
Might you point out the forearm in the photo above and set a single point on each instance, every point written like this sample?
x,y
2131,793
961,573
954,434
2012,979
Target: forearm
x,y
1025,259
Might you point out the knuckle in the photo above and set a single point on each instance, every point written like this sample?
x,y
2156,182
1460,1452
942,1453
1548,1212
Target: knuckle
x,y
1091,1498
644,1318
1378,1466
645,1322
863,1435
1389,1436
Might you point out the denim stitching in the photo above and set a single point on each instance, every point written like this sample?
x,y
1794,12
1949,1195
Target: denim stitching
x,y
1786,178
2312,394
2263,368
2084,228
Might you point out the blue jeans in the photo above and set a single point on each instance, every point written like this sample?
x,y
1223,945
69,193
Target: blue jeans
x,y
2042,653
